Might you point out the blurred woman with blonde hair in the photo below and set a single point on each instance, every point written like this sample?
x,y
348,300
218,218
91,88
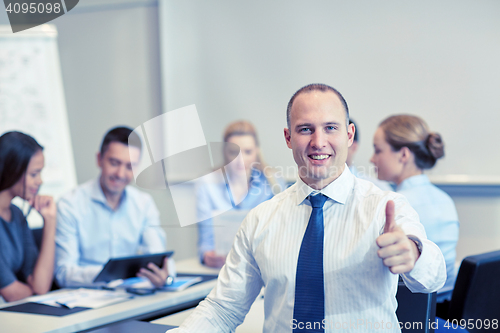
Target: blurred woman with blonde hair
x,y
252,182
404,148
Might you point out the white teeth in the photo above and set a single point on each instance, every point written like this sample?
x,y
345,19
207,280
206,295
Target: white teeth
x,y
319,157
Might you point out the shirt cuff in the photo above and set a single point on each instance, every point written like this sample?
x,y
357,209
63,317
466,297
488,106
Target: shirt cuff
x,y
428,274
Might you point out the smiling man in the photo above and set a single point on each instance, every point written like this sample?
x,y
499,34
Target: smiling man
x,y
105,218
329,248
318,123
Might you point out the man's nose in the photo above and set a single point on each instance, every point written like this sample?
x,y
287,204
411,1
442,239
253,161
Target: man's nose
x,y
121,171
318,140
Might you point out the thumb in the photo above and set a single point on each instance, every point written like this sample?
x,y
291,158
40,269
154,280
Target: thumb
x,y
390,222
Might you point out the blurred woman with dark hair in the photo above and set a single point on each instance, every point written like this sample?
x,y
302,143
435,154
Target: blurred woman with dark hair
x,y
24,271
404,148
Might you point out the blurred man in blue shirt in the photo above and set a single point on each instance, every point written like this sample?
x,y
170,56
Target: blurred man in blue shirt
x,y
105,218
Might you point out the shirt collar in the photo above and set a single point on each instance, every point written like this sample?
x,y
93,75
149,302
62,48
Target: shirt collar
x,y
353,170
97,194
413,181
338,190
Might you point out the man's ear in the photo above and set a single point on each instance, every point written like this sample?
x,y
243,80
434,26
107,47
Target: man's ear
x,y
287,133
99,160
350,134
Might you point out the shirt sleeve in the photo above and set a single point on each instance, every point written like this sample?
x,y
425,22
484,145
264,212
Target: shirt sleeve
x,y
153,238
6,274
205,226
68,272
238,285
429,273
205,237
30,253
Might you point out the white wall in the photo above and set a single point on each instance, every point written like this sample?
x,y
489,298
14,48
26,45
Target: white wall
x,y
439,60
436,59
111,68
109,52
479,224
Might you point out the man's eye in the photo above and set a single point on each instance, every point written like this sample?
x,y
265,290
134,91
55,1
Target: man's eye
x,y
305,129
331,128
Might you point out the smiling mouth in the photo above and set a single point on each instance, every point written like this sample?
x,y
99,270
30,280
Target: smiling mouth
x,y
318,157
117,181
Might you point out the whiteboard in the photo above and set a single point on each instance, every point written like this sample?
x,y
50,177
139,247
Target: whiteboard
x,y
32,101
435,59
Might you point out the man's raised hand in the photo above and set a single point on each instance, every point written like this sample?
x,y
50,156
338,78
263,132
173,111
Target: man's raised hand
x,y
397,251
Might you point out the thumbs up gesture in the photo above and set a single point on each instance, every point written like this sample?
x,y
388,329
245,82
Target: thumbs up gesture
x,y
397,251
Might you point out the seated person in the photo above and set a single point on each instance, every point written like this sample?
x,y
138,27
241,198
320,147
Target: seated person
x,y
256,176
404,148
23,271
383,185
105,218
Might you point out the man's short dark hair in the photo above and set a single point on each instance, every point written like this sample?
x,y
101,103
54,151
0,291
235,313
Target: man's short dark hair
x,y
120,134
316,87
355,128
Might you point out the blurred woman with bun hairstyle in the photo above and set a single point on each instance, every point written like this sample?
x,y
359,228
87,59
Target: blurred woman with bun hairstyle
x,y
24,270
252,182
404,148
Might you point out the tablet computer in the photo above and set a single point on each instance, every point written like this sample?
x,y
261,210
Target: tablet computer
x,y
127,267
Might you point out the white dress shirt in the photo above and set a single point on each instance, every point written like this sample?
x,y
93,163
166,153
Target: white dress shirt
x,y
359,290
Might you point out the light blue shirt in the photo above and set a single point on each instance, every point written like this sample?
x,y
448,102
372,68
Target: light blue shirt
x,y
214,197
439,216
90,232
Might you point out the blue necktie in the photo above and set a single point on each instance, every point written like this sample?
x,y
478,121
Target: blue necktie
x,y
309,284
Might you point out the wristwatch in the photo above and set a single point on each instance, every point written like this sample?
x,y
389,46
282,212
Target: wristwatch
x,y
169,280
417,242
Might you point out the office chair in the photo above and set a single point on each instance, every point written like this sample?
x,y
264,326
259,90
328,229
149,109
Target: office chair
x,y
476,296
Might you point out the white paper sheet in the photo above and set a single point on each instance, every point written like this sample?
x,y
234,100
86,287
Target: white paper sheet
x,y
87,298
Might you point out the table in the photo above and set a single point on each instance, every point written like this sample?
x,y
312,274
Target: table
x,y
413,309
253,323
141,308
